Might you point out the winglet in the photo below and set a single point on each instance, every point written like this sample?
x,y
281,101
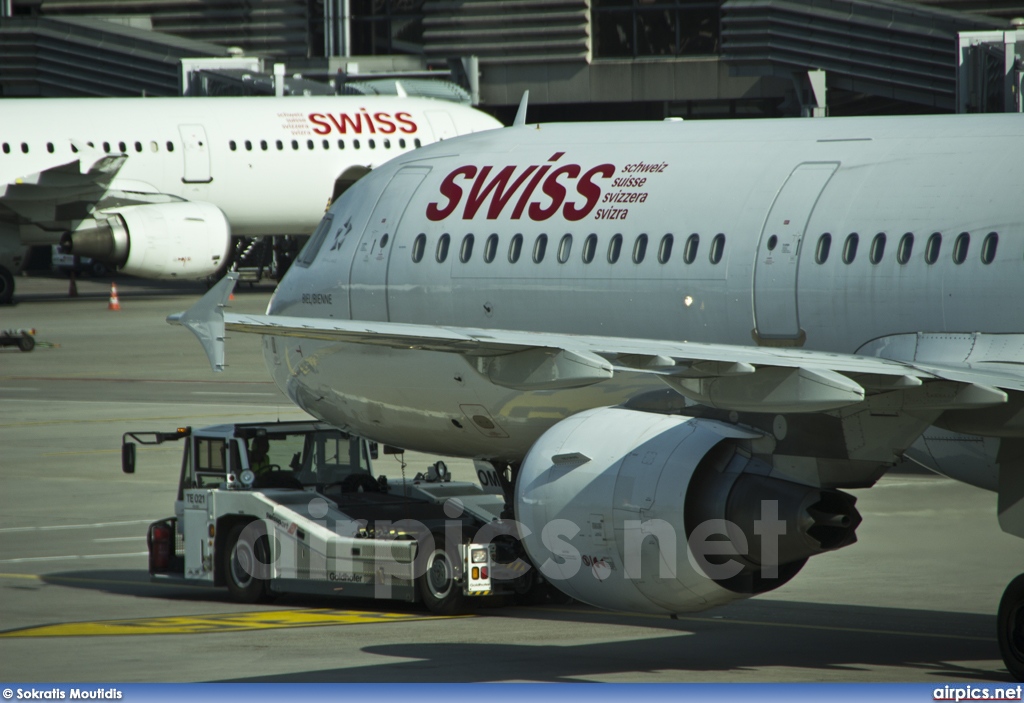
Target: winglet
x,y
205,319
520,119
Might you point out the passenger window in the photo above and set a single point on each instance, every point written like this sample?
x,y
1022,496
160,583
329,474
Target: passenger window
x,y
7,148
295,144
877,248
614,248
355,143
341,143
589,248
248,145
960,247
491,248
988,248
665,250
824,246
690,250
154,147
640,248
564,247
309,252
387,143
466,252
401,143
419,245
310,145
850,248
539,247
442,248
138,147
372,144
931,249
417,143
231,145
327,145
170,146
906,248
279,144
515,248
121,146
49,147
717,248
263,144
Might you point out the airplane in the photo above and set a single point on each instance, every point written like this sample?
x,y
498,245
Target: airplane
x,y
679,341
159,186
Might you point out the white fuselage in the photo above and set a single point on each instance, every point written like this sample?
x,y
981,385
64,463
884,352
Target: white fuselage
x,y
270,164
761,218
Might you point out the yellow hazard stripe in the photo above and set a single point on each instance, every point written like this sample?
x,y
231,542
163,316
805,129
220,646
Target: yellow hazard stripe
x,y
223,622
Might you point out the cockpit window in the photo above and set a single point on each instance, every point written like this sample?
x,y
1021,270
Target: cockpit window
x,y
316,240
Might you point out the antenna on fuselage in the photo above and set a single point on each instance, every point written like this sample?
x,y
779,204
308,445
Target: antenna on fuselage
x,y
520,119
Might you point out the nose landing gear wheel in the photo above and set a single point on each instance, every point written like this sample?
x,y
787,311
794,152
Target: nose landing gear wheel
x,y
1011,627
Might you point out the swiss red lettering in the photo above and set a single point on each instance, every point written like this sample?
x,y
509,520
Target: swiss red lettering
x,y
452,191
321,123
408,125
384,123
589,190
554,190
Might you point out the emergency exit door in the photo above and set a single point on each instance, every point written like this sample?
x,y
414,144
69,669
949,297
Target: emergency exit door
x,y
776,314
369,274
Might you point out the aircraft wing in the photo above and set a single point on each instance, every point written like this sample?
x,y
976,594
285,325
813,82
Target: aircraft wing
x,y
732,377
38,197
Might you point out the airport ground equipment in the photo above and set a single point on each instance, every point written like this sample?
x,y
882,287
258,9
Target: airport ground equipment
x,y
294,507
21,338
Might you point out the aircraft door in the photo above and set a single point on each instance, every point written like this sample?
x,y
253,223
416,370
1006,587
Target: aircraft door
x,y
442,125
368,277
196,154
776,317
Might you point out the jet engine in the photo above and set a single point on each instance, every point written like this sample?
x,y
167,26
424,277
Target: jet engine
x,y
167,240
651,513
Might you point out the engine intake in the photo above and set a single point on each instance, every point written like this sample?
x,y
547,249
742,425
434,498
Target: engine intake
x,y
667,513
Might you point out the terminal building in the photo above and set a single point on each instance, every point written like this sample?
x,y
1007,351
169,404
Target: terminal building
x,y
580,59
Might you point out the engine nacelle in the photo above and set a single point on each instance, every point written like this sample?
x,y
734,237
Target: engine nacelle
x,y
650,513
187,240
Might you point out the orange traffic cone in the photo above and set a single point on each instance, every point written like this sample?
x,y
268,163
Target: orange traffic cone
x,y
114,302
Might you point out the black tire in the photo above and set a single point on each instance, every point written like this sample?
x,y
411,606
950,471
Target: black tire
x,y
6,286
438,587
247,562
27,343
1011,627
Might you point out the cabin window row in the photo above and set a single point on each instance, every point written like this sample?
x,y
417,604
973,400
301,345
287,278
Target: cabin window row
x,y
589,251
311,144
933,247
108,147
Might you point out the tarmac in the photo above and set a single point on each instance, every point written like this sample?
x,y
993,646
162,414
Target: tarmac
x,y
913,600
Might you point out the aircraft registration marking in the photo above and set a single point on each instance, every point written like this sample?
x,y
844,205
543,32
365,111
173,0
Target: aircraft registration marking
x,y
216,623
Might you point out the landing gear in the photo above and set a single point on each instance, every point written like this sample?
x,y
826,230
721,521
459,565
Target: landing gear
x,y
6,286
1011,627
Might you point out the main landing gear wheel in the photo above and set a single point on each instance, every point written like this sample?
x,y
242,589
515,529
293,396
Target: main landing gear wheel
x,y
247,562
438,586
1011,627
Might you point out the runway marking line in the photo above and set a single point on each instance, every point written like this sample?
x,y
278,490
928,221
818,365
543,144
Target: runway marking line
x,y
216,623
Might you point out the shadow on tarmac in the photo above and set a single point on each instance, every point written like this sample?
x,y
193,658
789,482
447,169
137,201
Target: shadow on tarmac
x,y
748,635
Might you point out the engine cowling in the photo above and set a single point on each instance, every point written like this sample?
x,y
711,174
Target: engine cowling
x,y
166,240
650,513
